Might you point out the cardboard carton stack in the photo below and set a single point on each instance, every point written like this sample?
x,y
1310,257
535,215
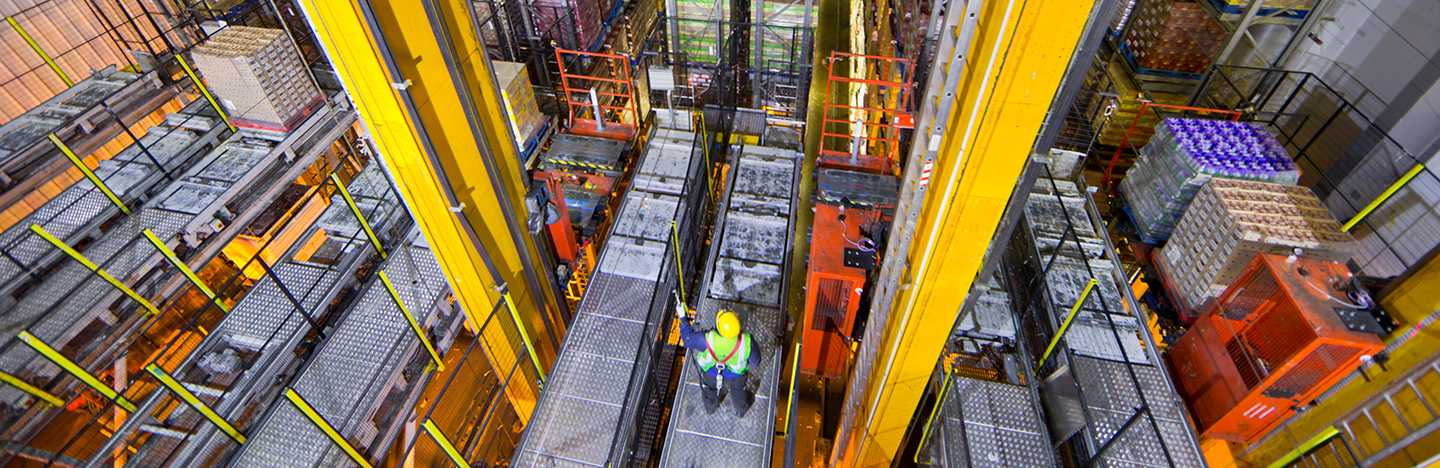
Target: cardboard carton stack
x,y
1174,36
558,19
1230,222
519,100
259,76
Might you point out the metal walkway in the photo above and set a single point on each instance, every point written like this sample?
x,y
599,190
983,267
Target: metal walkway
x,y
1107,373
58,309
586,415
240,365
991,425
80,208
357,368
747,273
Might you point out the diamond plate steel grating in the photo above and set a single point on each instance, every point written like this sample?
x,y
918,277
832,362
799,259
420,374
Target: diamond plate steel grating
x,y
265,311
80,290
1091,335
994,425
234,162
344,378
687,449
582,407
1110,398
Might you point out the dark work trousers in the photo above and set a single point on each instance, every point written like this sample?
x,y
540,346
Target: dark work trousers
x,y
738,388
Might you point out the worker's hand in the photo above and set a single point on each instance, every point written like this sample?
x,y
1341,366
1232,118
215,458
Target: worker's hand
x,y
680,311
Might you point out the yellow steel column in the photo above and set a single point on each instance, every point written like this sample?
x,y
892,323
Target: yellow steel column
x,y
417,74
1011,72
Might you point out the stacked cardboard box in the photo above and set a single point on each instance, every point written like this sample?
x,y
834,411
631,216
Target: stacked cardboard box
x,y
1123,8
1186,153
258,75
559,19
1175,36
519,100
1231,221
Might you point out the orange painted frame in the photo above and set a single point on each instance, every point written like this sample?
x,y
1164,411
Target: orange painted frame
x,y
882,164
598,126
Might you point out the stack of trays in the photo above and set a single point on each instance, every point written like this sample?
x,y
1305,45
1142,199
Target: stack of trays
x,y
259,76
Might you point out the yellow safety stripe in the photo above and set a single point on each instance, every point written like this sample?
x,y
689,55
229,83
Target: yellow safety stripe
x,y
75,370
1066,326
90,175
939,401
415,326
205,91
445,444
534,360
194,402
1404,179
91,265
790,400
31,389
38,50
325,427
679,268
374,240
186,270
1291,456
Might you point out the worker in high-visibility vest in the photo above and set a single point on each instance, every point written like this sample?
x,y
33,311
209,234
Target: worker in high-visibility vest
x,y
723,355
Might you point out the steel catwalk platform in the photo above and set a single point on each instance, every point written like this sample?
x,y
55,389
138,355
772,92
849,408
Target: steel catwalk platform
x,y
1089,390
985,424
72,298
264,328
594,387
747,272
80,209
358,365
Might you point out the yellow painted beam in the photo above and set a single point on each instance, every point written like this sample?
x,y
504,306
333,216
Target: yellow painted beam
x,y
91,265
414,326
326,427
355,209
38,50
190,399
421,123
24,386
445,444
75,370
89,175
185,269
1014,65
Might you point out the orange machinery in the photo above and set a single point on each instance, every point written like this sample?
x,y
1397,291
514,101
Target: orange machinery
x,y
862,132
1284,332
851,209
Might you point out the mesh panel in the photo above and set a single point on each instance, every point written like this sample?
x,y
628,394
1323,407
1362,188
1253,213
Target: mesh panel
x,y
831,301
1249,369
1280,333
1319,364
1253,292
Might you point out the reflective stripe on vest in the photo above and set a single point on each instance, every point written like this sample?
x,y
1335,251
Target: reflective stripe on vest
x,y
738,362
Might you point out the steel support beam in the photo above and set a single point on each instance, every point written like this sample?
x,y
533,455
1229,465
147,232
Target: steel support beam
x,y
975,151
423,85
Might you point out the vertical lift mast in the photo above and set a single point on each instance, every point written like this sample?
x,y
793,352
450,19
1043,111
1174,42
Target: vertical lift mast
x,y
418,77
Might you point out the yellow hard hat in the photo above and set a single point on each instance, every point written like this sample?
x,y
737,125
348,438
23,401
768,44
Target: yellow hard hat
x,y
727,324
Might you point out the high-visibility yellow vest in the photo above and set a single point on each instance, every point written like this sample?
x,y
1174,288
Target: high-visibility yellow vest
x,y
719,349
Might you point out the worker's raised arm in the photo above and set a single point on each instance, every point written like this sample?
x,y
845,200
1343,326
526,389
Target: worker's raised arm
x,y
691,338
754,359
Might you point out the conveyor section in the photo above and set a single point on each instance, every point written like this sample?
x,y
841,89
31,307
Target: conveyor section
x,y
25,150
356,368
81,208
67,302
242,359
747,272
592,390
1089,383
985,424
